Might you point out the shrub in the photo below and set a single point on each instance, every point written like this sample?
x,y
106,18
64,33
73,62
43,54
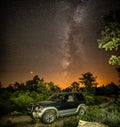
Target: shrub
x,y
102,99
71,122
38,96
118,101
94,115
112,119
90,98
5,106
21,101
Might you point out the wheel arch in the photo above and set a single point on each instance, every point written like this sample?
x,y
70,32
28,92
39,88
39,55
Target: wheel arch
x,y
51,109
81,106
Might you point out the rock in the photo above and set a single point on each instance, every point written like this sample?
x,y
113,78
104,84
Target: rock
x,y
90,124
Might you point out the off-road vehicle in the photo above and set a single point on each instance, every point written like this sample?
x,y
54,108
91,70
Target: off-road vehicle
x,y
58,105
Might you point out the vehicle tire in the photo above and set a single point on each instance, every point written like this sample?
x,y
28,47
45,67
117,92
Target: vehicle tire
x,y
81,111
49,117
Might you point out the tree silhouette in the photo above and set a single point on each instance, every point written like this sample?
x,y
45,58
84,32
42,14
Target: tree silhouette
x,y
118,70
32,84
52,88
89,81
75,86
111,89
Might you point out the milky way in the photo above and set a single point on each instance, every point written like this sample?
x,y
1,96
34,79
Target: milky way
x,y
56,40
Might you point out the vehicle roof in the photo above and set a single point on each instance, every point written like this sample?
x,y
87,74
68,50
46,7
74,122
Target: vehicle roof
x,y
68,93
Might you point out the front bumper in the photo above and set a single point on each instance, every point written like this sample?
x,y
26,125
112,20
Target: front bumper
x,y
37,114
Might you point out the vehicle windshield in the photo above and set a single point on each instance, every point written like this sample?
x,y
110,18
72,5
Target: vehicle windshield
x,y
56,97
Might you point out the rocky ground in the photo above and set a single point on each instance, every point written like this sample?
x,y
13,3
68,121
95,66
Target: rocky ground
x,y
25,121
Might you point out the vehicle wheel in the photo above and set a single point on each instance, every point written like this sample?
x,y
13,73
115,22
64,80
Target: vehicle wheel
x,y
49,117
81,111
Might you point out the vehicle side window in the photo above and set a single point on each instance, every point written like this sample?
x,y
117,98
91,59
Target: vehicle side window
x,y
79,97
70,98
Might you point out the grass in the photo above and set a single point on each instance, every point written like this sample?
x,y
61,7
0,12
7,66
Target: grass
x,y
108,117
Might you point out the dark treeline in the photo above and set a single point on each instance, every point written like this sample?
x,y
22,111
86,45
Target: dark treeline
x,y
17,96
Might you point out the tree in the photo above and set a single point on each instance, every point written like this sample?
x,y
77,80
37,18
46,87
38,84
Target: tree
x,y
111,89
118,70
32,84
52,88
75,86
110,36
89,81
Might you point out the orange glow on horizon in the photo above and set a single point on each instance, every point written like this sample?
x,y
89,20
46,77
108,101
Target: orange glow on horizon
x,y
66,84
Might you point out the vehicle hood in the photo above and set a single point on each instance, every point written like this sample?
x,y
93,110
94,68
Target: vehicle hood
x,y
47,103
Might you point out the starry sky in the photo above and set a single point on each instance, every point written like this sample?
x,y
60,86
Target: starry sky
x,y
55,39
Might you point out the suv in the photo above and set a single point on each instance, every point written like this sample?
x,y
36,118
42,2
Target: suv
x,y
58,105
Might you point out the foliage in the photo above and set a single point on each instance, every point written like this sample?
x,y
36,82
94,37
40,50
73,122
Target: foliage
x,y
89,81
5,104
17,96
90,99
38,96
71,122
95,114
75,86
112,119
21,100
110,36
114,60
118,101
111,89
51,88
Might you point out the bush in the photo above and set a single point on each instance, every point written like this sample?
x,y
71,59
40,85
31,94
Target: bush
x,y
112,119
90,98
38,96
5,106
71,122
21,101
94,115
102,99
118,101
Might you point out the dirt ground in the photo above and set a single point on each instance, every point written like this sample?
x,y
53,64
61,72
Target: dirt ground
x,y
25,121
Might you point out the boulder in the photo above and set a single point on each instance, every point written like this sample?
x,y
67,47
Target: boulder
x,y
90,124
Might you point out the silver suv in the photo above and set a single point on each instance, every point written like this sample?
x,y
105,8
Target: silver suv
x,y
58,105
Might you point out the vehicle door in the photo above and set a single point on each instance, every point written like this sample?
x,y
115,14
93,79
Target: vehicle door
x,y
68,106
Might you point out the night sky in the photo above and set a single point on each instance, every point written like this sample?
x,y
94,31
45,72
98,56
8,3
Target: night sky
x,y
55,39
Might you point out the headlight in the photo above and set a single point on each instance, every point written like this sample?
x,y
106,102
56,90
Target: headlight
x,y
38,108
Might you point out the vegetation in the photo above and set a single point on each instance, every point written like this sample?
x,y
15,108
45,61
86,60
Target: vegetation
x,y
89,82
15,98
110,36
71,122
101,115
107,114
